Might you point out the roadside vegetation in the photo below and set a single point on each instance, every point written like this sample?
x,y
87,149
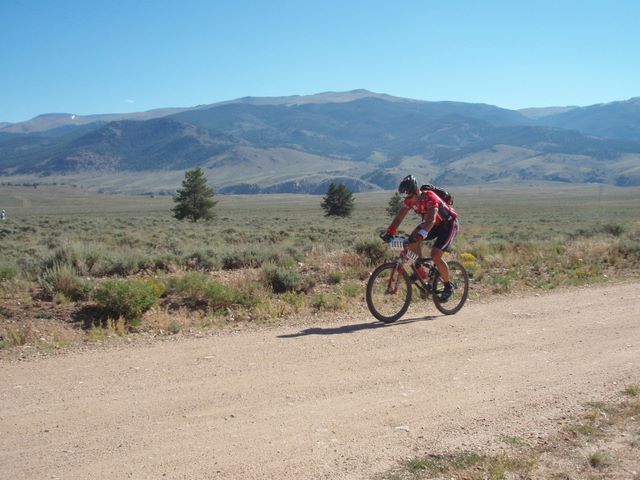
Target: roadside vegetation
x,y
81,267
602,443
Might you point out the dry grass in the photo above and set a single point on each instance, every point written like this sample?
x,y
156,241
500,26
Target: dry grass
x,y
283,257
602,443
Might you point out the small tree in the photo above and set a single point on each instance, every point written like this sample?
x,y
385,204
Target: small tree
x,y
338,201
395,204
195,200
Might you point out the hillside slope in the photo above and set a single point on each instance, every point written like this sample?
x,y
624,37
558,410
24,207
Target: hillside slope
x,y
300,144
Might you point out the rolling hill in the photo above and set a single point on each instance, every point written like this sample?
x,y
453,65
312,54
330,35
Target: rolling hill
x,y
301,143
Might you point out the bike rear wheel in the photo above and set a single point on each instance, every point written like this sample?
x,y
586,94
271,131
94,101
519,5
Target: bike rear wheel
x,y
388,292
460,281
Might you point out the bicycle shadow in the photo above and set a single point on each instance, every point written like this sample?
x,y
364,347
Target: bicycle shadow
x,y
355,327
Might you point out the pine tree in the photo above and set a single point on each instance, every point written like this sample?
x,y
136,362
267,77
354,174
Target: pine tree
x,y
338,201
195,200
395,204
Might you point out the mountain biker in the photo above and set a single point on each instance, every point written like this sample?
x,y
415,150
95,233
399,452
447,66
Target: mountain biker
x,y
439,222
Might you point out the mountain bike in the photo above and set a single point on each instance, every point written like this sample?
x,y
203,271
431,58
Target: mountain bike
x,y
390,286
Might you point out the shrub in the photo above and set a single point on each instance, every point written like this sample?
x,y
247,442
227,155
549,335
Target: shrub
x,y
63,279
158,287
632,390
335,278
190,286
196,288
613,229
82,257
8,272
220,296
352,290
174,327
468,259
599,459
373,250
125,298
283,279
326,301
629,248
198,260
242,258
252,257
296,300
126,262
15,337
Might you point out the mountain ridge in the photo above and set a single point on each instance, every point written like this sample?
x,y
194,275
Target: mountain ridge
x,y
299,143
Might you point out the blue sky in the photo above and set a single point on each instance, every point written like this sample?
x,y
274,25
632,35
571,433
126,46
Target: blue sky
x,y
113,56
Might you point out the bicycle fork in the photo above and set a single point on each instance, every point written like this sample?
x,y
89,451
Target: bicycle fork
x,y
394,279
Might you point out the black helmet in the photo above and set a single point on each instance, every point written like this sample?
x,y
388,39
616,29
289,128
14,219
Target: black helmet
x,y
408,185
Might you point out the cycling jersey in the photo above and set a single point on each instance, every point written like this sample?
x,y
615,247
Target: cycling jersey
x,y
427,200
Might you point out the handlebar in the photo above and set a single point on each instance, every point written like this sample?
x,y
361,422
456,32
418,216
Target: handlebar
x,y
397,243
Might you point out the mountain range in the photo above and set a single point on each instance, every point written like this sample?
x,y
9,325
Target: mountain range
x,y
300,144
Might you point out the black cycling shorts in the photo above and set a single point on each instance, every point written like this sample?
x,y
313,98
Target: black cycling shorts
x,y
444,234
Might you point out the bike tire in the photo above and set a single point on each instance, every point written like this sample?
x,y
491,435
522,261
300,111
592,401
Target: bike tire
x,y
388,307
460,280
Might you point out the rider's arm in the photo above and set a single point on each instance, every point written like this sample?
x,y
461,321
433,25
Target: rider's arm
x,y
429,218
393,228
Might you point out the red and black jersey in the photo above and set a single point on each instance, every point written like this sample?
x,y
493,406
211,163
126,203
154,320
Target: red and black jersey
x,y
427,200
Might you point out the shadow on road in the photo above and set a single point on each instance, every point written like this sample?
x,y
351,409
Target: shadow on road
x,y
353,328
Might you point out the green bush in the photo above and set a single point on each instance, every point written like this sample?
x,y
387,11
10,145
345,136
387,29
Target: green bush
x,y
326,301
335,278
373,250
196,288
283,279
629,249
352,290
125,298
63,279
83,257
613,229
126,262
199,260
192,285
8,272
243,258
220,296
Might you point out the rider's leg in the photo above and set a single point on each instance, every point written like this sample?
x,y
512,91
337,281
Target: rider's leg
x,y
441,265
416,238
415,247
444,236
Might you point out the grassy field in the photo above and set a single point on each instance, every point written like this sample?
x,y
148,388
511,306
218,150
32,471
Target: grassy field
x,y
102,265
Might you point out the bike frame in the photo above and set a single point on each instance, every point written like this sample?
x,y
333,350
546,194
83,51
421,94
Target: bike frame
x,y
394,280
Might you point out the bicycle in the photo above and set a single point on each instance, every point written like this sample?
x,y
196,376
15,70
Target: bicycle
x,y
390,286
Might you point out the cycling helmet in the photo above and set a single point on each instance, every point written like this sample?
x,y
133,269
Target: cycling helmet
x,y
408,185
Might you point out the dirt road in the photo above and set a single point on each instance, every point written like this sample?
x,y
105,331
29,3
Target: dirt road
x,y
338,399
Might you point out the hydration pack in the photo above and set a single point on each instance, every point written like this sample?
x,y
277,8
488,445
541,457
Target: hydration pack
x,y
441,192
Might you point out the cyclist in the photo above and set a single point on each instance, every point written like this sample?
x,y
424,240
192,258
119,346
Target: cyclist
x,y
439,222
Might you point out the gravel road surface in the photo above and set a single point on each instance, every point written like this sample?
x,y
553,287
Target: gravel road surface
x,y
341,398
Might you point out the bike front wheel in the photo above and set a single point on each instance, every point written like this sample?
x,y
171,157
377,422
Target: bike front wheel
x,y
460,281
388,292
